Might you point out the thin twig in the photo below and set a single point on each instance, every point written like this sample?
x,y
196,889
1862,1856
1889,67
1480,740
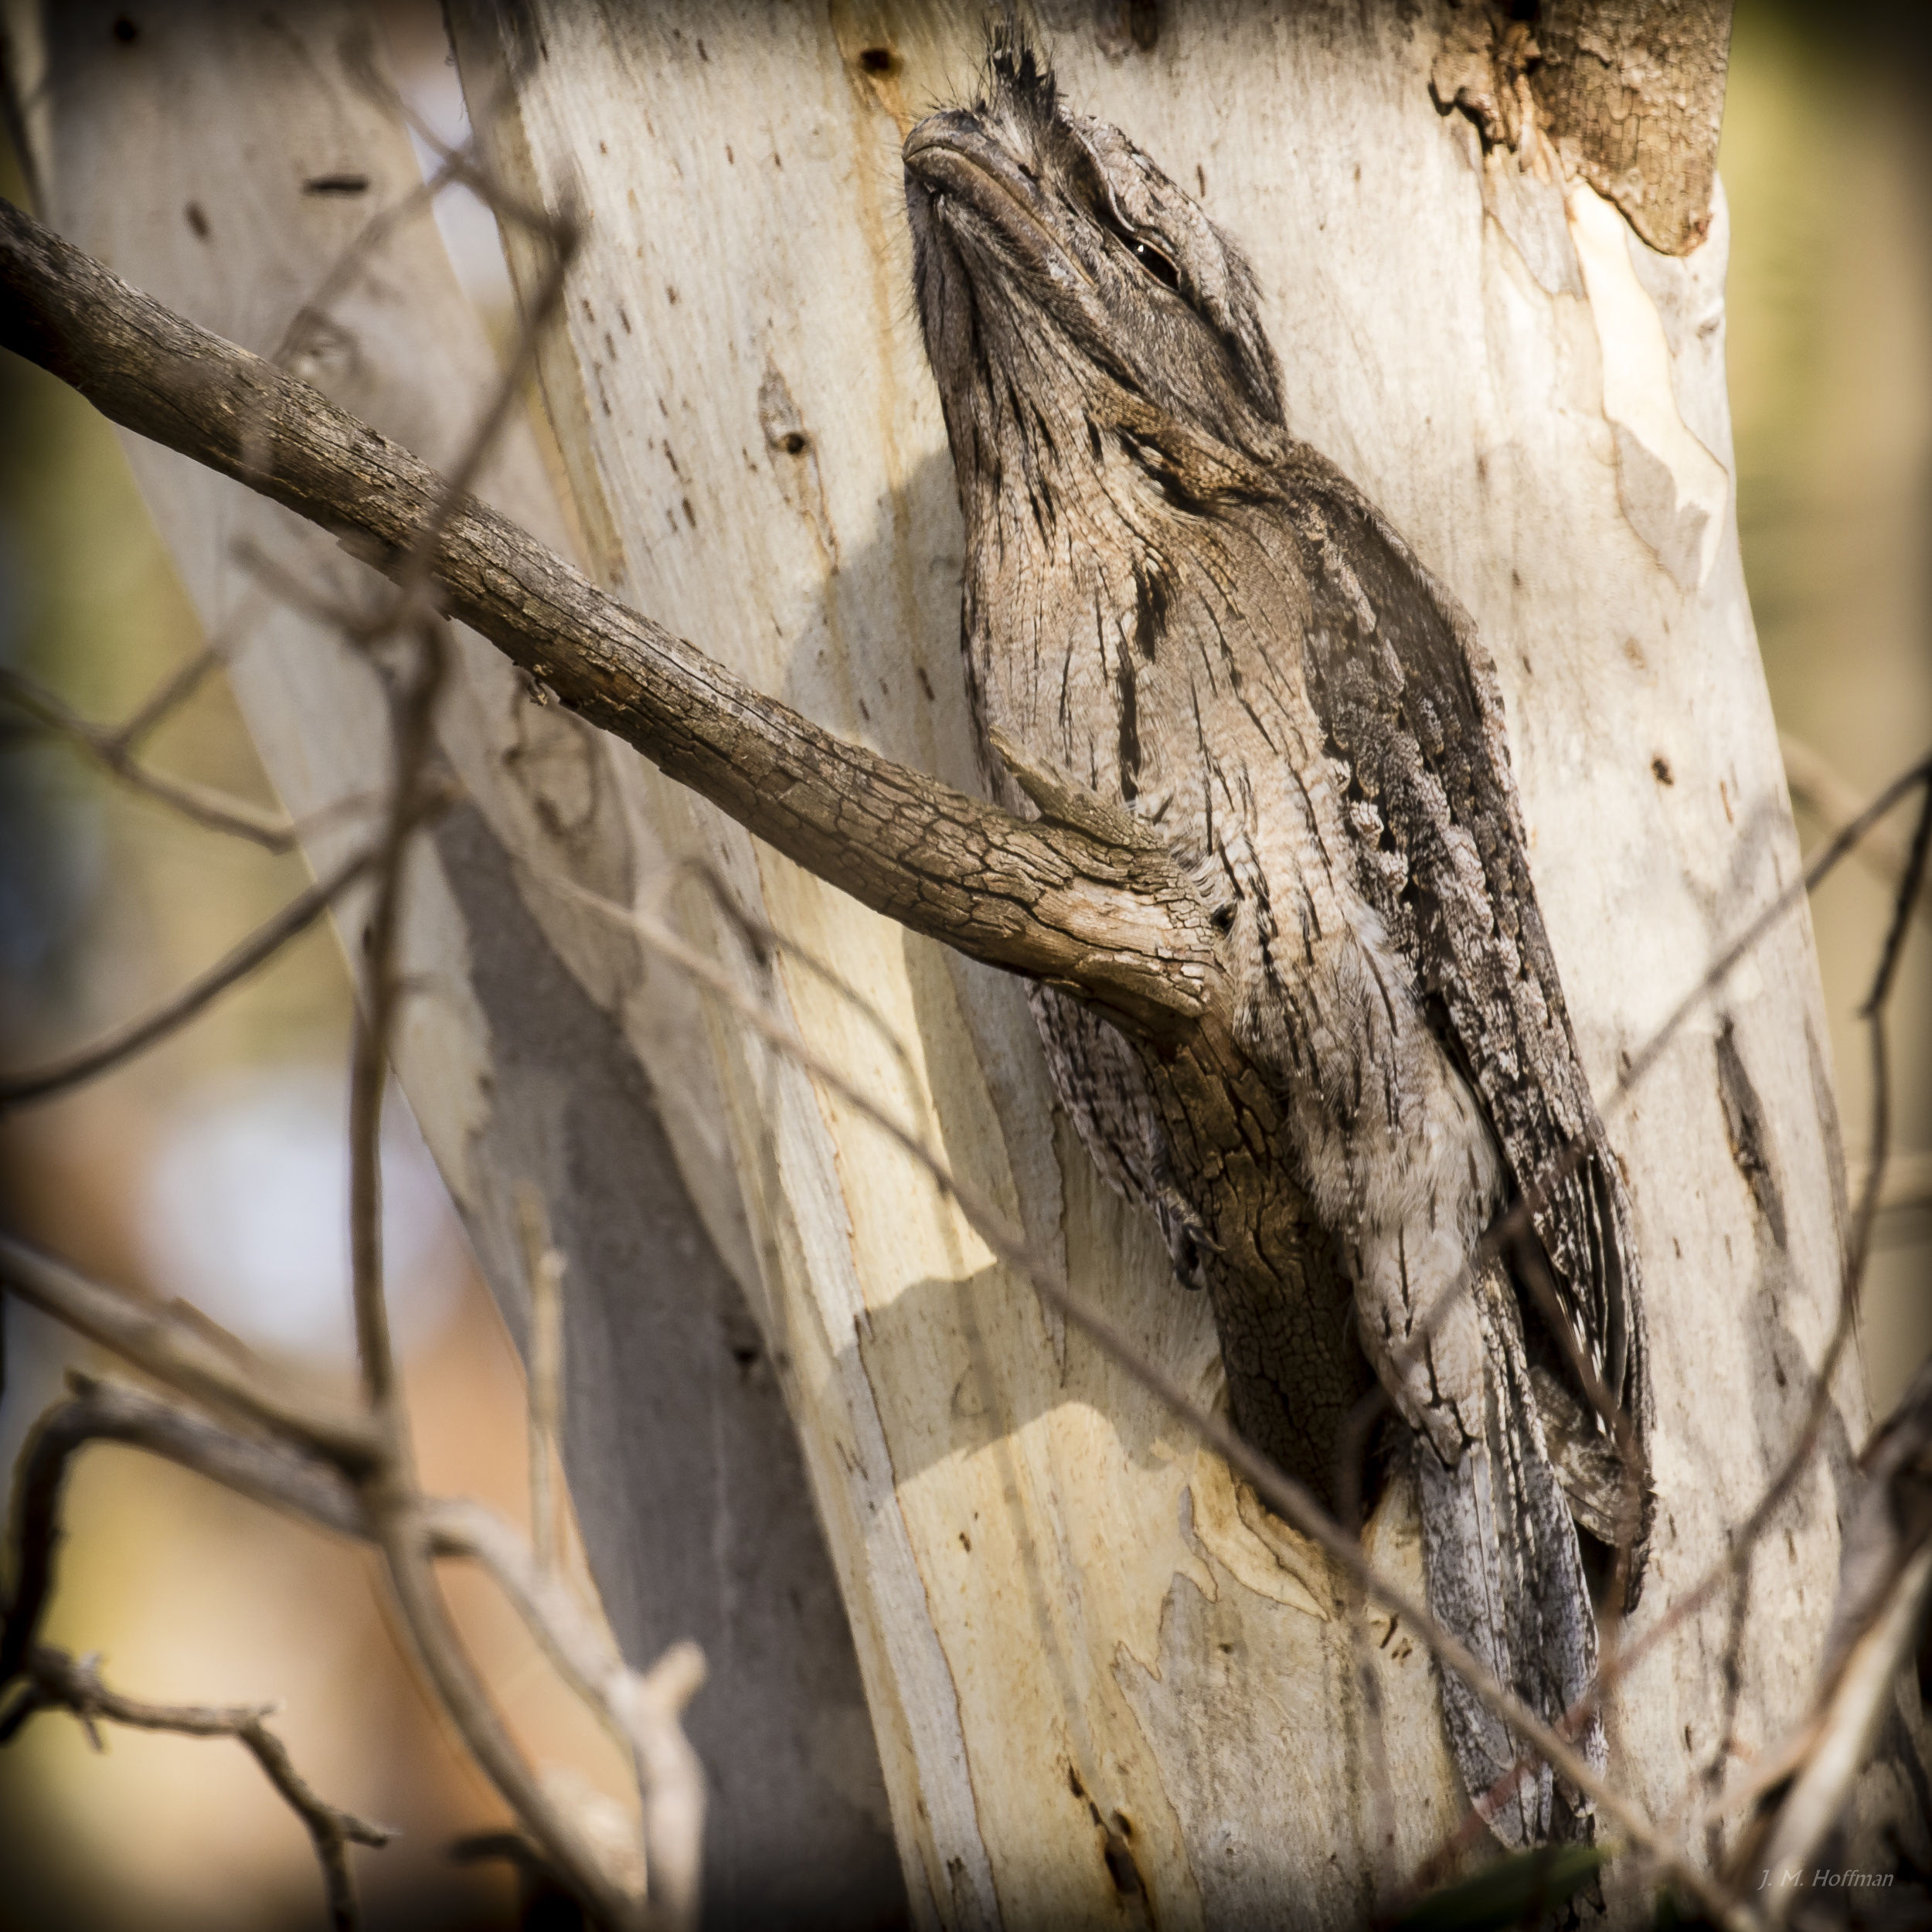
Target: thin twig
x,y
270,1472
215,810
1835,802
176,1353
457,164
1846,1729
644,1709
640,1709
169,695
403,1533
635,1707
765,942
398,1514
311,324
273,1472
181,683
254,952
414,732
1857,1247
62,1681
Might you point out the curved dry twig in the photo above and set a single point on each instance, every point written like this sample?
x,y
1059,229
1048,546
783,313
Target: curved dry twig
x,y
1835,802
53,1679
1885,1581
642,1709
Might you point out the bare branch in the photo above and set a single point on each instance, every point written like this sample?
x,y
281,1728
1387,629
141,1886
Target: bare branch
x,y
1835,802
1073,902
254,952
1885,1581
62,1681
398,1517
216,810
175,1352
404,1533
171,694
275,1473
270,1472
643,1709
414,728
672,1780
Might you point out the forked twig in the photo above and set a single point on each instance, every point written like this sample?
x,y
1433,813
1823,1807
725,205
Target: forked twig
x,y
213,810
58,1681
176,1353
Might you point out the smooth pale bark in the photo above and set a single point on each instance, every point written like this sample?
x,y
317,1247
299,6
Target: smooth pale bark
x,y
1103,1681
540,1048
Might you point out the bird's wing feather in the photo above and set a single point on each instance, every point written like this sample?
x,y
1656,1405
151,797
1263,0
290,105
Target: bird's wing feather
x,y
1408,700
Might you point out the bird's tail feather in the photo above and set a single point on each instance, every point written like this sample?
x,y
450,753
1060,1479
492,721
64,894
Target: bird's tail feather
x,y
1504,1574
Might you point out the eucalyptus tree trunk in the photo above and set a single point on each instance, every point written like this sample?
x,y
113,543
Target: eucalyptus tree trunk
x,y
1106,1684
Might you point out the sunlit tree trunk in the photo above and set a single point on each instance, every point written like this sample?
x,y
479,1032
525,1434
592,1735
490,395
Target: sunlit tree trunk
x,y
1102,1679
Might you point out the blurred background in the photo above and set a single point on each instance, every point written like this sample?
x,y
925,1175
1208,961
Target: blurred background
x,y
214,1166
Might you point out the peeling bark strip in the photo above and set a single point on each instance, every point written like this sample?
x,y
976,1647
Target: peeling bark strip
x,y
1631,93
1082,900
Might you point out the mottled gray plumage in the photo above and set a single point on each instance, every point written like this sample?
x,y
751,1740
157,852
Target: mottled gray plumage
x,y
1178,604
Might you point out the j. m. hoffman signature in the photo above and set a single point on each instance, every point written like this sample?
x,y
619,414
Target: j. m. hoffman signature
x,y
1821,1879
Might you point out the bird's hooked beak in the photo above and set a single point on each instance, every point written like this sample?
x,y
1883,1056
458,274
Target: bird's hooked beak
x,y
950,156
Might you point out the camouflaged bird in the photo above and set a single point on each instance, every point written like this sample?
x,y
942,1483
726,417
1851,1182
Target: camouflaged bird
x,y
1173,601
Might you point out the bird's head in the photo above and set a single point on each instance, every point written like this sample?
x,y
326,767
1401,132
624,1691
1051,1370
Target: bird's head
x,y
1060,271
